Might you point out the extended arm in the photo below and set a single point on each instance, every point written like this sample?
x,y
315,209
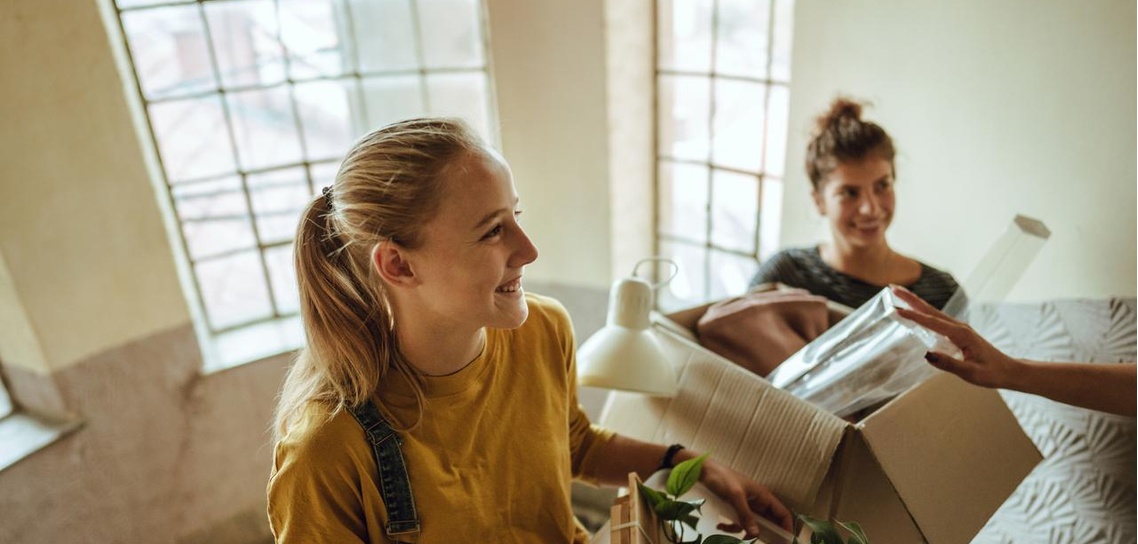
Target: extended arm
x,y
1106,387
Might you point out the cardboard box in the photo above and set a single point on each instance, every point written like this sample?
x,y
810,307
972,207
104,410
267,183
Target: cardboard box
x,y
932,465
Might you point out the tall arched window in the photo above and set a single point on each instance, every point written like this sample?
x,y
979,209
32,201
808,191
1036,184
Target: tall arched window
x,y
250,106
722,79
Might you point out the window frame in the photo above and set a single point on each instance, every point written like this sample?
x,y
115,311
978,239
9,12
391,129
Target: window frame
x,y
766,239
279,329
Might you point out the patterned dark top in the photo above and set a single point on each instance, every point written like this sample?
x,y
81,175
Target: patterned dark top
x,y
804,268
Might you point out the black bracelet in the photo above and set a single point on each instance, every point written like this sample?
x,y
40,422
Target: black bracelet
x,y
666,462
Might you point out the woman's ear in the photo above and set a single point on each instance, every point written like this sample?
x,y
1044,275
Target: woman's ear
x,y
391,262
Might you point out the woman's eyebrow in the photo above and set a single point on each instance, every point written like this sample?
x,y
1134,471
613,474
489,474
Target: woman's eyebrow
x,y
486,219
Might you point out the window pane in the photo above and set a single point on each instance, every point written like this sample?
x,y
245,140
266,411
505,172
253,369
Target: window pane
x,y
683,200
783,34
323,174
770,217
244,36
283,275
738,138
385,36
390,99
310,32
169,52
461,95
192,138
234,289
327,117
280,89
684,103
688,288
278,198
684,35
215,217
778,129
741,42
265,128
730,274
451,33
734,210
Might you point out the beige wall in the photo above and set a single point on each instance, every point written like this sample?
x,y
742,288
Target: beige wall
x,y
549,74
88,262
997,108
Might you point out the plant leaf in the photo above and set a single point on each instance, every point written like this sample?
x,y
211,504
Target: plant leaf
x,y
823,532
690,520
651,495
722,539
685,475
674,510
857,534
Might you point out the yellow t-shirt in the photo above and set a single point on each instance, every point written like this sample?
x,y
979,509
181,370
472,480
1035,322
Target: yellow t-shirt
x,y
491,461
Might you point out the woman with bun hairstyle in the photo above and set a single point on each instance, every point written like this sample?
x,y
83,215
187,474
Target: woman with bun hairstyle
x,y
435,399
850,165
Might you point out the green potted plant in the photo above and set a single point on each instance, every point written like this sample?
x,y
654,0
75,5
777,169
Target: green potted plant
x,y
677,516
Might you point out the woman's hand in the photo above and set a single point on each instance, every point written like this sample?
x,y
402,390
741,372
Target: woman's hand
x,y
982,365
749,498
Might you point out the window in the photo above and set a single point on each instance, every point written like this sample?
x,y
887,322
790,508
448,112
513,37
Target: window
x,y
722,77
252,103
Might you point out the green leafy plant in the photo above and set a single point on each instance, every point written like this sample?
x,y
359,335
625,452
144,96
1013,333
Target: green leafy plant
x,y
824,532
676,516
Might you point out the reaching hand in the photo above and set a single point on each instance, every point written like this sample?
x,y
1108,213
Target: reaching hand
x,y
982,365
749,498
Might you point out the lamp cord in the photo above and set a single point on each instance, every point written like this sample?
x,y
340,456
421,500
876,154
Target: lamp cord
x,y
675,269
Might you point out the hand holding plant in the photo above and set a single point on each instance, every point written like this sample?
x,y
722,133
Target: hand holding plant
x,y
678,518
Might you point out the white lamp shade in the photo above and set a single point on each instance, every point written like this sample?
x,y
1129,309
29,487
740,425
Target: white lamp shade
x,y
631,360
625,354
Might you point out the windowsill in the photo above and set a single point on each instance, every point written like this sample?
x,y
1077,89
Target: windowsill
x,y
22,434
253,343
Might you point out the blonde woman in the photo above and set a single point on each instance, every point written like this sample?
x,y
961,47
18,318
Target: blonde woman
x,y
436,400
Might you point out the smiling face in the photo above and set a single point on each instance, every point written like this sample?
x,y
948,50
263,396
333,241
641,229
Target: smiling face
x,y
468,267
857,200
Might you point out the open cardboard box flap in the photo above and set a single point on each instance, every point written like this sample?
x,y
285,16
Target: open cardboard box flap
x,y
933,464
737,416
952,451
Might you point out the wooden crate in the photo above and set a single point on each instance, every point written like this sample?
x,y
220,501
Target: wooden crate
x,y
633,521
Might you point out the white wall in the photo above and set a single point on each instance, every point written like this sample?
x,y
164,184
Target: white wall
x,y
549,74
997,108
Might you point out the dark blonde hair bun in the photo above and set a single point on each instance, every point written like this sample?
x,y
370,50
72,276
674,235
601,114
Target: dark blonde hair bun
x,y
842,136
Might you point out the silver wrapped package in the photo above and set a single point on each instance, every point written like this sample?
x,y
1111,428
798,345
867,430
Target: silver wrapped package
x,y
872,355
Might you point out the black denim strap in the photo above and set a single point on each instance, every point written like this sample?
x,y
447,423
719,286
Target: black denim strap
x,y
394,486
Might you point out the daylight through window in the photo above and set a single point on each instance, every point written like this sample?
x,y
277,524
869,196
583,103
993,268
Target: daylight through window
x,y
251,104
722,77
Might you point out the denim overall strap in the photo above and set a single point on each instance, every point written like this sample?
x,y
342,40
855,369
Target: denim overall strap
x,y
394,486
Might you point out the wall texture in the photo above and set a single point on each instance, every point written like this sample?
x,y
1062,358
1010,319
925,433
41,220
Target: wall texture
x,y
549,75
165,454
1084,490
89,266
996,108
